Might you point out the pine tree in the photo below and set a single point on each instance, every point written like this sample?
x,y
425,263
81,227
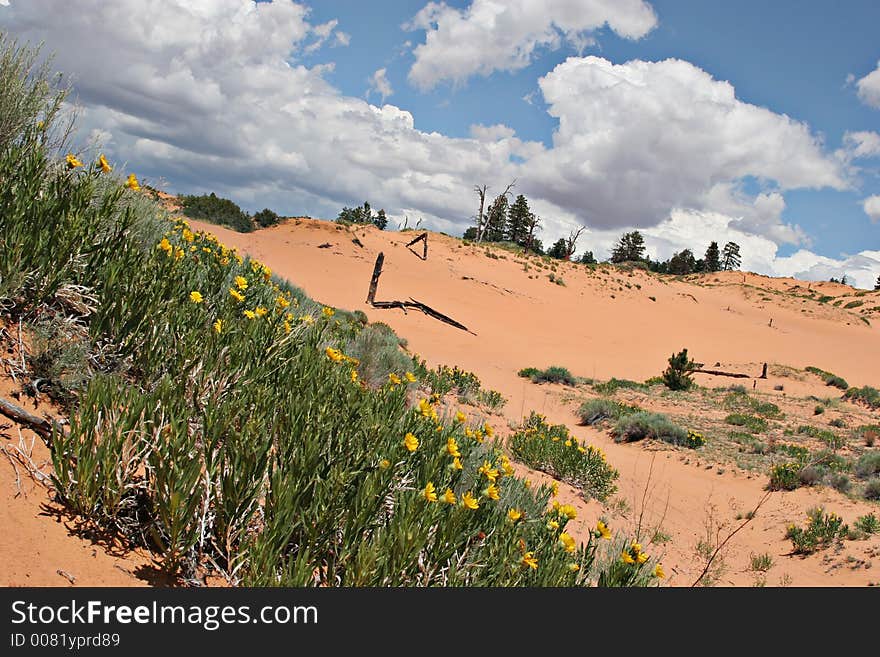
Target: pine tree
x,y
559,250
587,258
712,258
678,375
877,284
630,247
682,262
496,219
518,221
730,258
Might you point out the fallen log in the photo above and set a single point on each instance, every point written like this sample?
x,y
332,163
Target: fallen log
x,y
424,239
720,373
39,425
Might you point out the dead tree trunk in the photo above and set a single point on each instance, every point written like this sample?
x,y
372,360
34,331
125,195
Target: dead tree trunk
x,y
764,372
39,425
481,192
424,239
374,281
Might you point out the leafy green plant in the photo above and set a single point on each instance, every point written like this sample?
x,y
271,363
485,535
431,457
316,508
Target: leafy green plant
x,y
552,449
749,422
553,374
785,476
612,385
642,424
678,375
820,531
829,378
865,395
594,411
869,524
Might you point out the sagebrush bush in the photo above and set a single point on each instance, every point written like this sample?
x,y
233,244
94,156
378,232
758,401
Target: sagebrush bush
x,y
553,374
613,385
749,422
552,449
641,425
868,464
377,349
865,395
594,411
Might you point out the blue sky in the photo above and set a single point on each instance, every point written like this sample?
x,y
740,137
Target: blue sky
x,y
765,131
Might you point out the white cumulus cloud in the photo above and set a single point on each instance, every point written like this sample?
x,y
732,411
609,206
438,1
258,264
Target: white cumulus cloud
x,y
871,206
869,88
490,35
380,84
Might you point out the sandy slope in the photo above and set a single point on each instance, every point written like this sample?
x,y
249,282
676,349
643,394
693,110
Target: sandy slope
x,y
602,325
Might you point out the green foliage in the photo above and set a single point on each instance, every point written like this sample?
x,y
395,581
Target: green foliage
x,y
362,215
868,464
829,378
761,563
869,524
641,425
730,257
739,399
677,376
865,395
871,491
217,210
750,422
820,531
559,250
818,409
629,248
594,411
712,257
867,433
785,476
612,385
553,374
266,218
552,449
377,349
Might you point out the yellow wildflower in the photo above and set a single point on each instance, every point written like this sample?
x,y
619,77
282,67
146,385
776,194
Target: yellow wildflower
x,y
282,302
567,443
196,297
626,557
449,496
487,470
384,464
334,354
489,431
492,492
267,273
554,487
658,571
411,442
165,246
641,557
569,511
287,327
456,464
187,235
530,561
430,493
250,314
636,547
567,542
178,253
105,166
452,447
241,282
132,183
478,436
603,530
553,525
235,294
218,326
72,161
508,469
327,311
409,377
470,501
514,514
573,567
307,319
393,379
354,373
460,417
261,311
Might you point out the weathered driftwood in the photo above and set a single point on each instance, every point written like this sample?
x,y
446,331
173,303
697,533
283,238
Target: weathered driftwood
x,y
424,239
325,245
39,425
403,305
720,373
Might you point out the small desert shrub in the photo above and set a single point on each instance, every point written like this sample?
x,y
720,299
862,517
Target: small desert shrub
x,y
593,411
839,481
818,410
613,385
831,439
677,375
785,476
809,475
853,304
821,530
869,524
553,374
641,425
491,398
794,451
377,348
868,433
829,378
838,422
872,489
865,395
868,464
761,563
552,449
750,422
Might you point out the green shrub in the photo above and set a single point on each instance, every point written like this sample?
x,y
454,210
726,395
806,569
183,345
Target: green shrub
x,y
839,422
869,524
829,378
613,385
867,433
868,464
785,476
266,217
594,411
217,210
641,425
553,374
865,395
818,410
377,349
853,304
872,489
794,451
552,449
821,530
677,375
750,422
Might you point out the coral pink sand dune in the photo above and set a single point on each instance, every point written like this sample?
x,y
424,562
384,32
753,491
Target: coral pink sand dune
x,y
602,325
